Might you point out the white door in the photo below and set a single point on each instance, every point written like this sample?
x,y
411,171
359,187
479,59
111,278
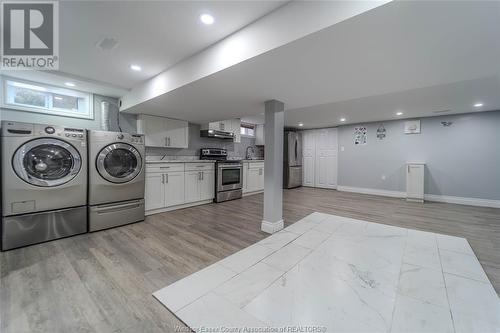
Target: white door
x,y
154,192
192,186
308,157
326,158
207,185
174,188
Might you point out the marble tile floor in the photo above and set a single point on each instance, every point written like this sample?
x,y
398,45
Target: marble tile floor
x,y
336,274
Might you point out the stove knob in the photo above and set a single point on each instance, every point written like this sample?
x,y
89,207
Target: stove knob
x,y
120,136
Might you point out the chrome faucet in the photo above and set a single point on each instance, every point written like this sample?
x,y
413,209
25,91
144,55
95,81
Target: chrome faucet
x,y
247,154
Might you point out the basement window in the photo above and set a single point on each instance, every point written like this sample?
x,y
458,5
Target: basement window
x,y
42,98
247,130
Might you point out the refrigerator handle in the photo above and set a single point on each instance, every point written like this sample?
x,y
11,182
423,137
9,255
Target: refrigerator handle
x,y
296,142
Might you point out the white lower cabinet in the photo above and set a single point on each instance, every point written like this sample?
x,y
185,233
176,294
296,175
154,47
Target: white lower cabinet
x,y
174,189
164,190
207,185
154,196
254,174
415,181
174,185
199,185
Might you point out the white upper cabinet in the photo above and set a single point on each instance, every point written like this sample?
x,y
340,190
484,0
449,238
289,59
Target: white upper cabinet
x,y
259,135
163,132
236,129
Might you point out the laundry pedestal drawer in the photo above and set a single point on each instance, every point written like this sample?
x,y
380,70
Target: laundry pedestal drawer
x,y
27,229
115,214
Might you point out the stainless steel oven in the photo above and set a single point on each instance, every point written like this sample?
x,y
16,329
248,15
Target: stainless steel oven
x,y
229,174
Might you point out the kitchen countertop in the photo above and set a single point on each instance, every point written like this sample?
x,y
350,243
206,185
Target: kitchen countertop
x,y
252,161
180,161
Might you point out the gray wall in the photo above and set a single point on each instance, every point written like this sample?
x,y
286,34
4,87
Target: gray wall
x,y
196,142
462,160
127,122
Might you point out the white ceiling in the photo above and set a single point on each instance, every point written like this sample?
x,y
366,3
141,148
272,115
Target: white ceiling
x,y
153,34
417,56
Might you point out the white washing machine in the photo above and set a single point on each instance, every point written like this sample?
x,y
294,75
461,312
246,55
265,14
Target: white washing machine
x,y
44,183
116,179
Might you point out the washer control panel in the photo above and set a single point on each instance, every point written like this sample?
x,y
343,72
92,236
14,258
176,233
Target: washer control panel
x,y
60,131
130,138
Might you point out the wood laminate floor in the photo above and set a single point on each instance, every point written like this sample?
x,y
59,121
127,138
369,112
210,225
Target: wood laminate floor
x,y
102,282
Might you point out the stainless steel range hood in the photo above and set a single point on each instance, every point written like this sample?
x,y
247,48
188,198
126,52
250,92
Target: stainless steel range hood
x,y
216,134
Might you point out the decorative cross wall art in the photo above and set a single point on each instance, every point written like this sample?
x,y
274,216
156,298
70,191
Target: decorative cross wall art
x,y
360,135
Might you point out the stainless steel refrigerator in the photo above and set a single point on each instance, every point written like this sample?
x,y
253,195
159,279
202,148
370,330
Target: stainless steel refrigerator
x,y
292,160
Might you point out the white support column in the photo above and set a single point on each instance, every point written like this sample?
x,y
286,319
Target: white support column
x,y
273,167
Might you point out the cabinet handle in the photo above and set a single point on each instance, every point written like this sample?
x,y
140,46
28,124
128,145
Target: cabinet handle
x,y
169,141
166,142
163,179
408,169
166,178
202,175
199,175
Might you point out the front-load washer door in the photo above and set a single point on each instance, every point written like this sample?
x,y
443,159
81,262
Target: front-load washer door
x,y
46,162
119,163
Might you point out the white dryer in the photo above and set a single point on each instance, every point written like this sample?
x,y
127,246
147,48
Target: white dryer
x,y
44,183
116,179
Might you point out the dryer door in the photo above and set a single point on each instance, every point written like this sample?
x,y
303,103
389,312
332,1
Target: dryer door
x,y
119,163
46,162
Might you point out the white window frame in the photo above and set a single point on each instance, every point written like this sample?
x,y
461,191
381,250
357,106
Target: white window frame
x,y
47,110
244,135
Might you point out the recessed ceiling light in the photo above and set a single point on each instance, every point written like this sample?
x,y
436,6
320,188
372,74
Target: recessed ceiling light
x,y
70,84
478,105
58,98
136,68
342,119
207,19
399,113
300,124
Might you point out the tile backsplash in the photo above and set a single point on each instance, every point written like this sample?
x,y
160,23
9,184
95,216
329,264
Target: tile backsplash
x,y
196,142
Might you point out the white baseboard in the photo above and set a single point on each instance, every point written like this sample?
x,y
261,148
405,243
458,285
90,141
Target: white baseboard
x,y
272,227
463,201
429,197
186,205
372,191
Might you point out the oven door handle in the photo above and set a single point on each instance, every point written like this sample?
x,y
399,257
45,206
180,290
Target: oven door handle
x,y
234,166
